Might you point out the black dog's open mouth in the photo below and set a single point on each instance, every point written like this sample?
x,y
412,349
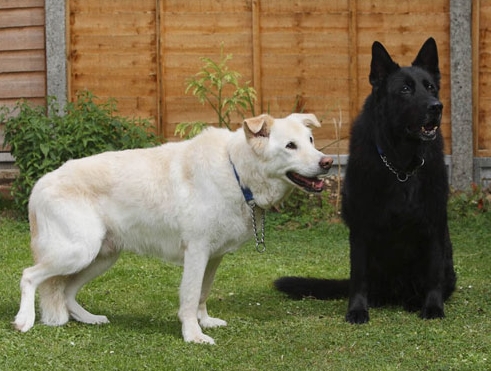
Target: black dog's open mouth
x,y
306,183
428,131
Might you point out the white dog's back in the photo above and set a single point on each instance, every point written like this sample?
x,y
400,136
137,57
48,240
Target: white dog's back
x,y
143,199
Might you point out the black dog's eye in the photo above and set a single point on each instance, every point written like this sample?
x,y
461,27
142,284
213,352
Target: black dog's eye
x,y
291,145
406,89
430,87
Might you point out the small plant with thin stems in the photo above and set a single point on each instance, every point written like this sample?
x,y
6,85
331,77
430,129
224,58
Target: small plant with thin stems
x,y
219,87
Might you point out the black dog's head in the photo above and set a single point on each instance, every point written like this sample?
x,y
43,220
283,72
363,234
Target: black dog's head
x,y
409,94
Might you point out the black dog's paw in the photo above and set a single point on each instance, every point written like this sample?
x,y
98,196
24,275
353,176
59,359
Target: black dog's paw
x,y
357,316
432,312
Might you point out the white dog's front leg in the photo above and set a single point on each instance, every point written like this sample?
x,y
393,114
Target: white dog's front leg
x,y
204,319
195,262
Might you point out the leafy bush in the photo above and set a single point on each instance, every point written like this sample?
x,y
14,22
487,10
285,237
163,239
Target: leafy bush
x,y
43,138
300,210
475,200
220,87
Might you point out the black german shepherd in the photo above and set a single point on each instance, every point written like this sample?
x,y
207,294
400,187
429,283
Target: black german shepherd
x,y
394,197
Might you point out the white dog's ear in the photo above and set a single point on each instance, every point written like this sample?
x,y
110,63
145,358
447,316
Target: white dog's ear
x,y
308,119
259,126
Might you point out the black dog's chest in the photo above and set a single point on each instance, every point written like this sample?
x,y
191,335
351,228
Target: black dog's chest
x,y
407,212
406,194
403,202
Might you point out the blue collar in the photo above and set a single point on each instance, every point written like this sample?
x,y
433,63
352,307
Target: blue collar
x,y
245,190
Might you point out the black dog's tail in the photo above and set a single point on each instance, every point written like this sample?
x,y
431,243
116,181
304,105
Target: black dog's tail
x,y
318,288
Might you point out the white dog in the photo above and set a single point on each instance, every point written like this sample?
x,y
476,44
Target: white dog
x,y
183,202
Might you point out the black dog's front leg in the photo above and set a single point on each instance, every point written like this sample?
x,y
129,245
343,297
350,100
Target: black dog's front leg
x,y
433,305
358,301
433,301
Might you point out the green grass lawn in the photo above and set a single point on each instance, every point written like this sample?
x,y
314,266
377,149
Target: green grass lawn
x,y
266,330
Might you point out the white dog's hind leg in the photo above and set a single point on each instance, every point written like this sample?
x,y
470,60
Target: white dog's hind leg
x,y
75,283
52,301
32,277
204,319
68,245
195,261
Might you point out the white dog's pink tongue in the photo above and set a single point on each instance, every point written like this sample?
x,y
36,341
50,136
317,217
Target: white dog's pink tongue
x,y
309,184
318,184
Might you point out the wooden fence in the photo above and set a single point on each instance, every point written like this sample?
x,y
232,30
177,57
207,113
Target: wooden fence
x,y
22,65
481,22
22,51
314,52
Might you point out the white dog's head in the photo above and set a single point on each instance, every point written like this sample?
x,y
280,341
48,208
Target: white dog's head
x,y
286,148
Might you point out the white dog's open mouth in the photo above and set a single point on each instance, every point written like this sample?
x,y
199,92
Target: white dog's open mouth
x,y
306,183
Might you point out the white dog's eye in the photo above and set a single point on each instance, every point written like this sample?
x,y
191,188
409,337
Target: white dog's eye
x,y
291,145
311,140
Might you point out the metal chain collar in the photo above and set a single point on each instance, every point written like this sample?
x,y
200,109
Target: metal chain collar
x,y
260,244
400,175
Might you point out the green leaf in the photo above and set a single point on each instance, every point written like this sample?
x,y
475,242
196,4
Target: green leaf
x,y
44,147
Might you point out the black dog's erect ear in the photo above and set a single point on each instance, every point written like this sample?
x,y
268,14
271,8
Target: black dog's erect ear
x,y
382,65
427,59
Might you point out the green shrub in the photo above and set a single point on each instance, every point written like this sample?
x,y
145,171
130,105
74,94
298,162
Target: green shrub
x,y
43,138
475,200
301,210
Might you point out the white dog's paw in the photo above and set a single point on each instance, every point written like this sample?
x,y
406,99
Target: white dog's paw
x,y
199,339
95,320
89,318
22,323
191,332
211,322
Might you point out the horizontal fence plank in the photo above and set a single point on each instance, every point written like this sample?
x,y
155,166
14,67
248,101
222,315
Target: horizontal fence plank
x,y
22,61
209,23
21,17
408,7
206,6
23,85
137,23
306,6
111,7
9,4
109,85
115,43
11,102
22,38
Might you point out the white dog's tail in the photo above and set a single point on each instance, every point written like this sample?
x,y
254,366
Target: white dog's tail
x,y
54,311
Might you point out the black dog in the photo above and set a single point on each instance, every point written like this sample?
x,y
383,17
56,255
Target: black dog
x,y
394,196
